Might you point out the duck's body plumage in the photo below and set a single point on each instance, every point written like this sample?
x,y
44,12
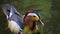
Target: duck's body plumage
x,y
15,20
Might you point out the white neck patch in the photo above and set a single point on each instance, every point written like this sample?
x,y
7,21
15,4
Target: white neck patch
x,y
33,14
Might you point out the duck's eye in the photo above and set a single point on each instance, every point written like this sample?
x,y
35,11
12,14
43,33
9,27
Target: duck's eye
x,y
34,16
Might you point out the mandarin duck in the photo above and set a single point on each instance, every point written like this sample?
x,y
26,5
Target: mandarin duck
x,y
31,18
14,18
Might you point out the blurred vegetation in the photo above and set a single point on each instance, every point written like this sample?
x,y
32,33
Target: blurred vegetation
x,y
49,11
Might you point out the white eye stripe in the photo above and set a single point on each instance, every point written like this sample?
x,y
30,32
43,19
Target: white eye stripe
x,y
33,14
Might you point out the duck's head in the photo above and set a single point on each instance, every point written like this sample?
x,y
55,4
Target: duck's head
x,y
34,16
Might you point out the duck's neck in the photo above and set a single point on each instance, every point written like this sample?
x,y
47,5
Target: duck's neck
x,y
33,25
